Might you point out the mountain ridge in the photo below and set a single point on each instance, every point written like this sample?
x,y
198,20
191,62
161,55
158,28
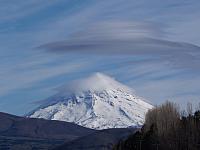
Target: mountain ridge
x,y
20,133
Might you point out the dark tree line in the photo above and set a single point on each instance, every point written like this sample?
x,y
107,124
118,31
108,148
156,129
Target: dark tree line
x,y
166,128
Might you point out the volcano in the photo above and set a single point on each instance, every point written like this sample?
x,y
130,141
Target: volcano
x,y
97,102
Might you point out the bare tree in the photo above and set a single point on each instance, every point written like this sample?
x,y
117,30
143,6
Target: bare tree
x,y
189,109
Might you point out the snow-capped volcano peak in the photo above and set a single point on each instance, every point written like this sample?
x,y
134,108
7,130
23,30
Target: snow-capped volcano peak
x,y
97,102
95,82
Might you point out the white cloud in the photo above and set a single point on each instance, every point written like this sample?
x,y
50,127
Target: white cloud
x,y
95,82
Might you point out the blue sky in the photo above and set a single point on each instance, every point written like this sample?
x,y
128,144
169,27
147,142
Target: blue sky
x,y
152,46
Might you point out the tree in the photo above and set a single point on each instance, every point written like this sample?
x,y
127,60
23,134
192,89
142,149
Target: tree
x,y
166,128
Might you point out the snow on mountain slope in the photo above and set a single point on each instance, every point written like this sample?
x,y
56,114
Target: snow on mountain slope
x,y
97,102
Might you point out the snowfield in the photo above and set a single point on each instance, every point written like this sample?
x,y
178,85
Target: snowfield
x,y
97,102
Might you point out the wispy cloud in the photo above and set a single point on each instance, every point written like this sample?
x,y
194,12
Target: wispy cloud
x,y
25,75
10,11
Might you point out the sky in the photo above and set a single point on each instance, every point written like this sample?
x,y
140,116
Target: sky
x,y
151,46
